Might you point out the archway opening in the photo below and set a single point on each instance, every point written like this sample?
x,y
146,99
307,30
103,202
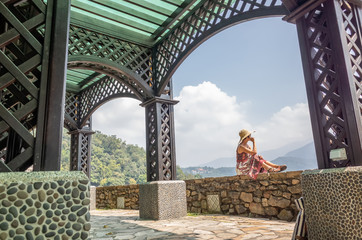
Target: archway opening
x,y
248,76
117,157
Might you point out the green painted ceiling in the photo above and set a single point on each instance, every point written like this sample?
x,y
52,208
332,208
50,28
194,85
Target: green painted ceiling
x,y
144,22
140,21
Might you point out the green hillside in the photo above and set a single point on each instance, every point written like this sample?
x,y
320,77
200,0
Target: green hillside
x,y
114,162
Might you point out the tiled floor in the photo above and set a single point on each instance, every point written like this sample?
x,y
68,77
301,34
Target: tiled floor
x,y
125,224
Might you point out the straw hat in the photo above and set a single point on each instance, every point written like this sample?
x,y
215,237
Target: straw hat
x,y
243,134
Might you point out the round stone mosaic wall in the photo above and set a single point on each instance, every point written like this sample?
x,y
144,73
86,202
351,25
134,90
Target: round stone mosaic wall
x,y
333,203
45,210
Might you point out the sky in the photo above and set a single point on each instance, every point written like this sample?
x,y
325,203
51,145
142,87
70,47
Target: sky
x,y
247,76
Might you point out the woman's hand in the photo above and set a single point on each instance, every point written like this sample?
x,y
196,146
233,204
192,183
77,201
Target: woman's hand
x,y
252,139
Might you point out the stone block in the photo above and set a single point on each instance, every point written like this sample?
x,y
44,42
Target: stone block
x,y
213,203
257,208
93,195
295,189
160,200
120,202
333,203
246,197
278,202
285,215
55,201
271,211
240,209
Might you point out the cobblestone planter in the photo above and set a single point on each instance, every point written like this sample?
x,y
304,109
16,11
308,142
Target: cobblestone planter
x,y
44,205
333,203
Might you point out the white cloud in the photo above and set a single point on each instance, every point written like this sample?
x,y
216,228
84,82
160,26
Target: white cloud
x,y
289,125
124,118
207,123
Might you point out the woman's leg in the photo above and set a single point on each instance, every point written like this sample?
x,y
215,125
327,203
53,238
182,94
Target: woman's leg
x,y
271,164
270,168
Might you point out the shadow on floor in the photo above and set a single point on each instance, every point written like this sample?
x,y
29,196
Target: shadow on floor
x,y
129,227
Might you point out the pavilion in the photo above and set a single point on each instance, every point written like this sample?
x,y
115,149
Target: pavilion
x,y
60,60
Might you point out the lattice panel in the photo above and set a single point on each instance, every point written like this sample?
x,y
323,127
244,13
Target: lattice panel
x,y
152,143
84,153
74,138
327,82
166,142
352,27
134,57
71,117
80,149
212,15
96,94
21,39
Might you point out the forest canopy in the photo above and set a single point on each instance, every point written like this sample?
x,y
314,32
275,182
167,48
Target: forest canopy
x,y
114,162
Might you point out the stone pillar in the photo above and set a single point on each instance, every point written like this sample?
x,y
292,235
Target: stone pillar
x,y
333,203
159,200
80,149
160,143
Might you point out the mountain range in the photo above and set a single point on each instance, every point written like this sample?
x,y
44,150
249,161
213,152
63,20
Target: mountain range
x,y
301,158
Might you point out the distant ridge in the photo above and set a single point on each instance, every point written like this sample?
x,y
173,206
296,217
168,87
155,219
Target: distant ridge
x,y
301,158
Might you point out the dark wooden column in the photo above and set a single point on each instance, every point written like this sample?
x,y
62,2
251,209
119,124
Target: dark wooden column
x,y
160,135
80,149
330,41
52,89
33,56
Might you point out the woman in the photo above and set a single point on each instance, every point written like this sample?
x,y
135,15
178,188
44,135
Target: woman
x,y
249,162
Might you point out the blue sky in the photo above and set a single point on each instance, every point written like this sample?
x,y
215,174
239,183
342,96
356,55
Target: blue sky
x,y
248,76
257,60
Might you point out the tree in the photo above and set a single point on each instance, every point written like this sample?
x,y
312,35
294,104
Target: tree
x,y
114,162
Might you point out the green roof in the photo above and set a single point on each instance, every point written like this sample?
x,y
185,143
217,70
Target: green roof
x,y
140,21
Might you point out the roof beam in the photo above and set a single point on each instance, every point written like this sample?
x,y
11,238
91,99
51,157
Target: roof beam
x,y
71,87
88,79
87,22
96,9
302,10
174,17
125,7
152,6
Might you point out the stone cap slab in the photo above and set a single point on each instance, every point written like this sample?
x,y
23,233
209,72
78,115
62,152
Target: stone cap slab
x,y
44,176
333,170
164,182
262,176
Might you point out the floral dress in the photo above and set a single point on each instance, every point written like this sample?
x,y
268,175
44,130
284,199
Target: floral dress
x,y
247,164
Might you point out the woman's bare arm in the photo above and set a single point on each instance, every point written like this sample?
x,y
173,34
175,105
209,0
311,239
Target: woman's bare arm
x,y
254,145
246,149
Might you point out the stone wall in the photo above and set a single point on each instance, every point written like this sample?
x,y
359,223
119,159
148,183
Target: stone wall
x,y
269,196
44,205
106,197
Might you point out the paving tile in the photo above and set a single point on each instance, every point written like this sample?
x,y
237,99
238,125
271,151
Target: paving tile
x,y
126,224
